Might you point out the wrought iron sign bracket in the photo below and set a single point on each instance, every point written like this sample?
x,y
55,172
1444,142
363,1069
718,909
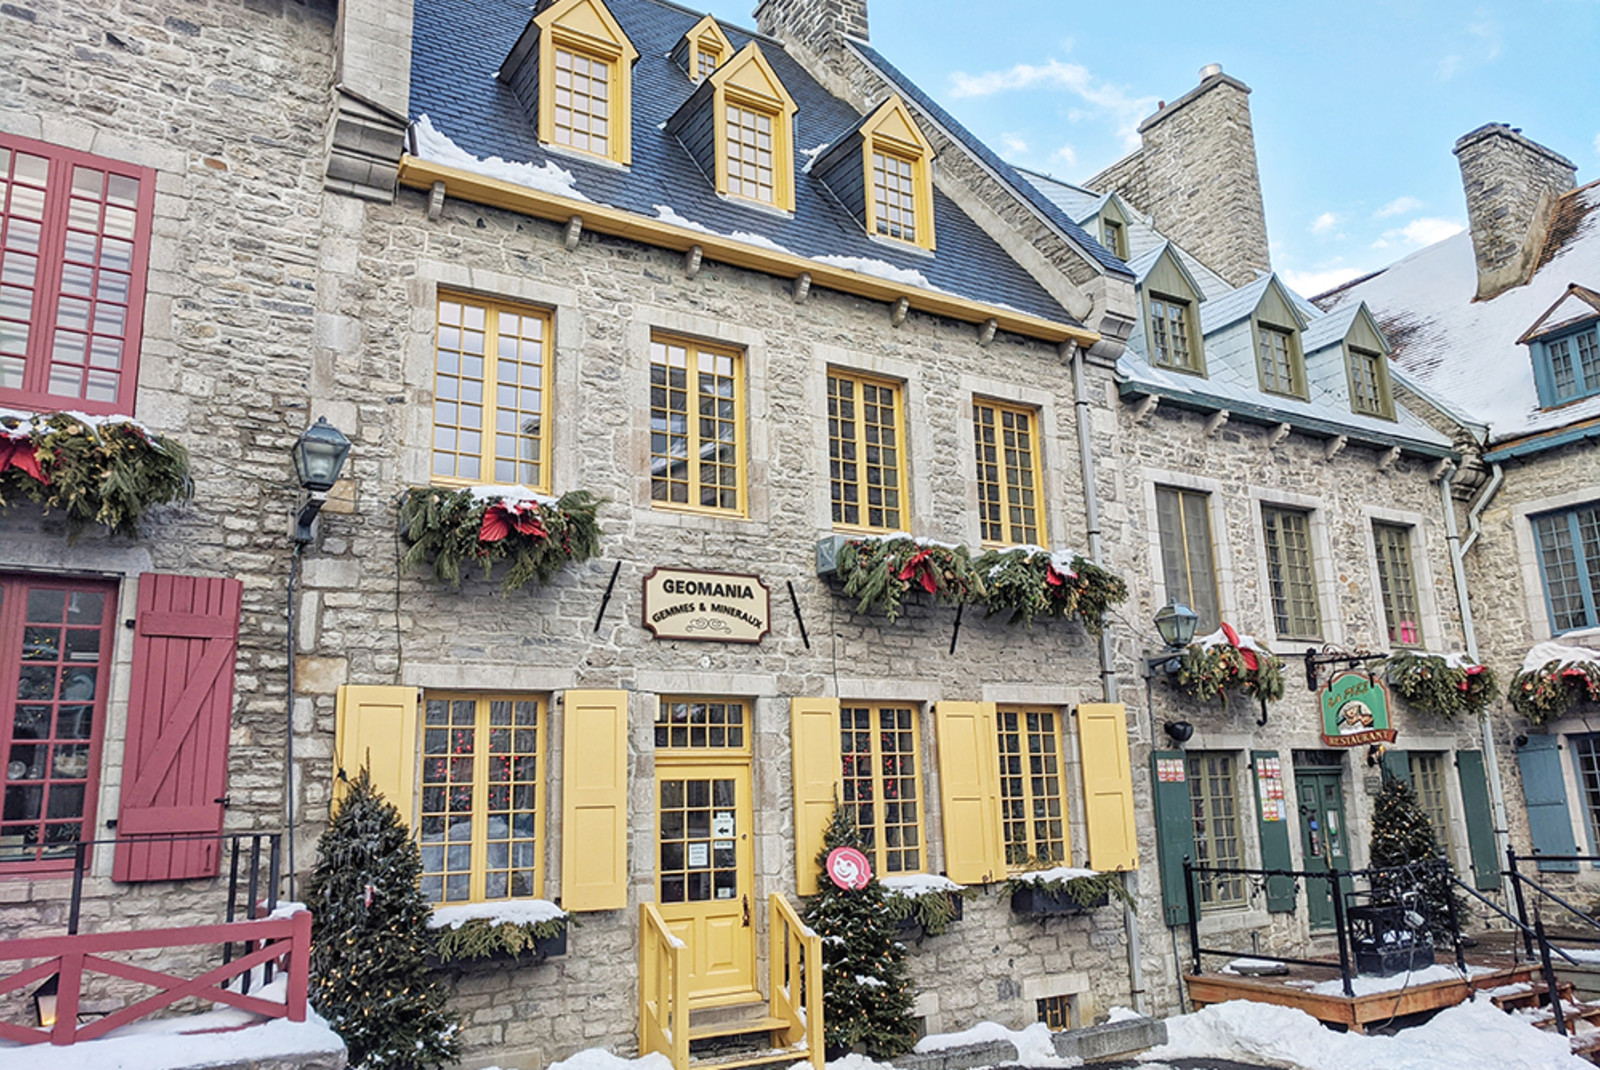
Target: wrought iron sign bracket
x,y
1316,659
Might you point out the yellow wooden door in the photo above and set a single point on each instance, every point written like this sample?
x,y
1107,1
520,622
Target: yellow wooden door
x,y
705,874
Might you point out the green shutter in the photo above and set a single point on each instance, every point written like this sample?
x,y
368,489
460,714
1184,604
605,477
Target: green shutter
x,y
1549,823
1397,764
1174,829
1480,820
1281,891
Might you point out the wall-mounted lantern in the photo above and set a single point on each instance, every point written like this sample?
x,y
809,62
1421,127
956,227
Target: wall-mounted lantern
x,y
319,456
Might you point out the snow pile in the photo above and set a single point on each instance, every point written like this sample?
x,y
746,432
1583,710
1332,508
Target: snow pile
x,y
1240,965
667,214
1460,659
1123,1014
917,885
1060,560
1586,955
504,912
1034,1046
1220,638
1050,876
600,1059
880,269
28,421
436,147
1544,653
1471,1036
1366,986
515,494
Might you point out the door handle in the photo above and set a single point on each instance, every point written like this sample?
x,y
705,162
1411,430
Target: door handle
x,y
746,899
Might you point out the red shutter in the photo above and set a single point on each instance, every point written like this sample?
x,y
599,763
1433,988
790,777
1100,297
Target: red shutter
x,y
175,764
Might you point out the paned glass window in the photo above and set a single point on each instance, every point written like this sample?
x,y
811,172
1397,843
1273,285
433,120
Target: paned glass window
x,y
705,62
878,746
55,639
894,197
1569,560
1397,583
583,101
866,458
696,421
749,134
1111,236
1169,333
1572,366
1214,802
1033,815
1188,565
1366,383
1055,1012
695,724
1428,781
1296,611
1010,506
74,238
491,390
695,868
1275,357
1586,753
481,820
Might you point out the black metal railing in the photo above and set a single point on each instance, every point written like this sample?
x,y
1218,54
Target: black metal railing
x,y
1535,940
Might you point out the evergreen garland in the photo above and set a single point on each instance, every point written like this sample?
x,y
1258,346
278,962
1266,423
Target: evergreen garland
x,y
1548,692
933,910
95,471
1402,835
1029,582
1433,685
880,572
1210,671
447,529
369,939
479,939
1087,891
866,993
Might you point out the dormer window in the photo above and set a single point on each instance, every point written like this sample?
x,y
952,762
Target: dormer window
x,y
1170,342
1171,301
894,196
702,50
572,69
1369,386
1275,356
738,127
749,152
1573,362
705,61
882,171
582,118
1114,238
1565,346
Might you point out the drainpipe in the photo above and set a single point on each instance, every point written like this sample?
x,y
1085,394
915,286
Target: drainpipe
x,y
1108,676
1469,632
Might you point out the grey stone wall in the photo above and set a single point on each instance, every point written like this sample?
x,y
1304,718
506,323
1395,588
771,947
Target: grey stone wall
x,y
1511,183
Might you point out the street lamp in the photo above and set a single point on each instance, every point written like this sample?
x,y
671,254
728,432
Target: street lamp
x,y
1175,622
319,455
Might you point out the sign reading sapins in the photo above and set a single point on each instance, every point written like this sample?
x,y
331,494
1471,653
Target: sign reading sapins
x,y
718,607
1355,711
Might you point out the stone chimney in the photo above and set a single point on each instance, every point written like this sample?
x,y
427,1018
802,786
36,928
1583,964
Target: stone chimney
x,y
1195,173
814,30
1512,184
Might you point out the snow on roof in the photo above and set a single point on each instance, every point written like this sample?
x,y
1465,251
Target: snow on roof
x,y
1466,351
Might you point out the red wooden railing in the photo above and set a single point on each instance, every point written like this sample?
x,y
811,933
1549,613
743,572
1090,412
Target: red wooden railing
x,y
284,941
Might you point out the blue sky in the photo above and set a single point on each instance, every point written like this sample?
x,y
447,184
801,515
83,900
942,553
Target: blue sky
x,y
1356,105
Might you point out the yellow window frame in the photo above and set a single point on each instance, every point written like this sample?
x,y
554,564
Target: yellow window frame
x,y
694,349
480,785
875,774
859,439
488,402
681,740
748,81
587,28
893,133
1021,783
997,411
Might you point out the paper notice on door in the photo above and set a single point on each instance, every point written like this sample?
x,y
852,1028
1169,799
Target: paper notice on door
x,y
699,855
722,825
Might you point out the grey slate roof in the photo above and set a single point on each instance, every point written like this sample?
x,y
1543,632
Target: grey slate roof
x,y
457,46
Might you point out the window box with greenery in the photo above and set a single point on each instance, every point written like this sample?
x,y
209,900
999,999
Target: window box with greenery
x,y
447,529
1030,581
516,931
1225,661
1064,890
1553,679
879,572
924,903
1447,685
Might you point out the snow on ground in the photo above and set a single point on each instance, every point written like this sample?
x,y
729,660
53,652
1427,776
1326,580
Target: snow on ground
x,y
1587,955
1471,1036
600,1059
502,912
436,147
1366,986
1034,1047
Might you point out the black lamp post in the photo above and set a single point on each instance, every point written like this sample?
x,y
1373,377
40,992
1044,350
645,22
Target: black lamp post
x,y
319,456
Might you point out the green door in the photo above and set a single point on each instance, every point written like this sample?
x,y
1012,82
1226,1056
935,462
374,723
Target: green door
x,y
1324,838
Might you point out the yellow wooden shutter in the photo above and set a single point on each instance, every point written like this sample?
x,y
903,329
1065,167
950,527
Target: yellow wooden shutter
x,y
1107,785
814,746
594,793
376,727
969,789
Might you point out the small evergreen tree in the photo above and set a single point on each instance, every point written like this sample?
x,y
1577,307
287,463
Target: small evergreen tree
x,y
866,993
368,937
1402,834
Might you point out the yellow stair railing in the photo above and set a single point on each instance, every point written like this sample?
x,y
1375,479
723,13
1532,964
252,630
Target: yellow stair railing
x,y
663,989
794,955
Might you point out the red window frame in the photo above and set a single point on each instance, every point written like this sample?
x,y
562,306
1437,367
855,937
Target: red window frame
x,y
14,591
54,262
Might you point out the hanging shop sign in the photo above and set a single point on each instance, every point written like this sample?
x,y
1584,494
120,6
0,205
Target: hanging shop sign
x,y
718,607
848,868
1355,711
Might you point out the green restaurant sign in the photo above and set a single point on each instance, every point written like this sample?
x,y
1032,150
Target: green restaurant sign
x,y
1355,711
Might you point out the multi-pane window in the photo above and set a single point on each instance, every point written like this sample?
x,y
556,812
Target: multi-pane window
x,y
866,458
705,62
583,101
491,394
1569,558
1010,505
1055,1012
1586,753
1033,815
1366,383
878,748
1169,333
696,724
1397,583
1428,781
74,238
696,441
1275,357
1572,367
1214,805
694,866
894,197
1292,583
1188,565
481,825
1111,236
55,660
749,152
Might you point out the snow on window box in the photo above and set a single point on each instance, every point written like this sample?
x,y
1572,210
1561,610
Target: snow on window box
x,y
1447,685
1063,890
1554,677
1030,581
1226,661
505,930
924,903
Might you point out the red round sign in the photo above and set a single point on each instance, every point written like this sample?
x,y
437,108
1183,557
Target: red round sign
x,y
848,868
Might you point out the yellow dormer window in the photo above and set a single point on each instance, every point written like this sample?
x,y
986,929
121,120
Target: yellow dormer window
x,y
899,178
702,50
754,117
585,80
705,61
749,152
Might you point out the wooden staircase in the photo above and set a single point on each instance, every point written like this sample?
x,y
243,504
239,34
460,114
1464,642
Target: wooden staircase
x,y
1530,1000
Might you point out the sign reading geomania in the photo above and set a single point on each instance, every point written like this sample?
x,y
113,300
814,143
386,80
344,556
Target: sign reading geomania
x,y
721,607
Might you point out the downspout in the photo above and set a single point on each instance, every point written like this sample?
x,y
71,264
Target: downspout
x,y
1469,634
1108,676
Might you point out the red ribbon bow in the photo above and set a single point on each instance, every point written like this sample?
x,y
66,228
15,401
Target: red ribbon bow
x,y
501,518
18,453
1251,662
919,567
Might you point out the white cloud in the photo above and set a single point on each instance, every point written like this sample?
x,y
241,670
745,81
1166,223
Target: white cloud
x,y
1014,144
1075,78
1067,155
1312,283
1420,232
1398,206
1488,31
1447,68
1324,223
